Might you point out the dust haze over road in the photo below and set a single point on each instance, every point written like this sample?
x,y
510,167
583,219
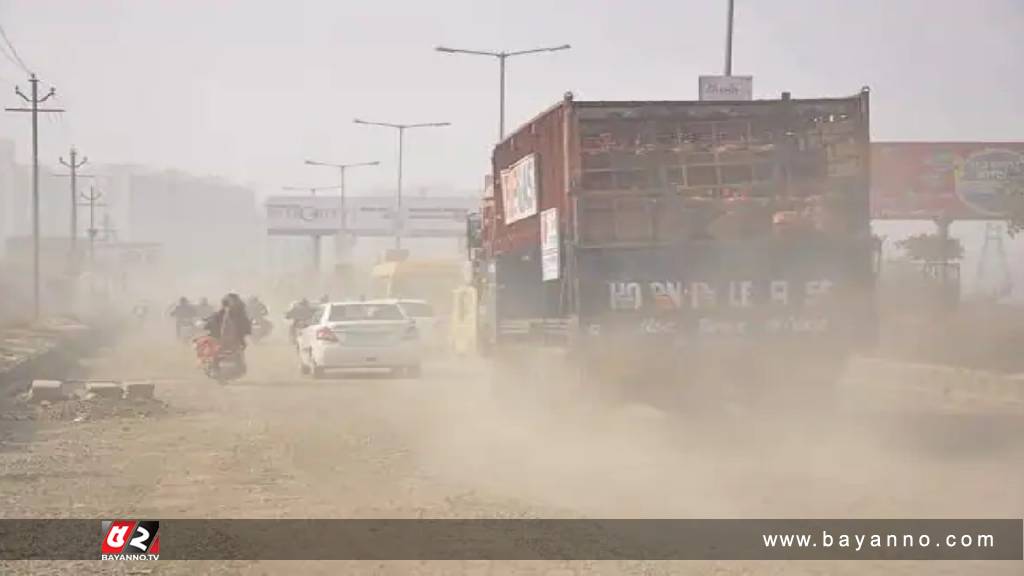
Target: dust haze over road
x,y
457,445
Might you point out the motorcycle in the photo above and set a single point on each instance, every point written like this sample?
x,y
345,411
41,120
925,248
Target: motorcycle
x,y
261,328
186,330
217,362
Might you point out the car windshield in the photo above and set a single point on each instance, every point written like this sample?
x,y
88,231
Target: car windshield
x,y
418,309
350,312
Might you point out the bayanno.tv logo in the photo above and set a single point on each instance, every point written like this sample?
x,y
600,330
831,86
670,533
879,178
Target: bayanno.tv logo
x,y
130,540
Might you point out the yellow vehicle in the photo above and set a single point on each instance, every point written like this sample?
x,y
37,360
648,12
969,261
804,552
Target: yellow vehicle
x,y
430,280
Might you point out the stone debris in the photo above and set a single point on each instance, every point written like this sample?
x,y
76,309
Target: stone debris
x,y
139,389
105,390
47,391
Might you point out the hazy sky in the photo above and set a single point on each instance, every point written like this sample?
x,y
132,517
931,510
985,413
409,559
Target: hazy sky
x,y
248,89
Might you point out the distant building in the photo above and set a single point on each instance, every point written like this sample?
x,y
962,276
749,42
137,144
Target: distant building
x,y
202,223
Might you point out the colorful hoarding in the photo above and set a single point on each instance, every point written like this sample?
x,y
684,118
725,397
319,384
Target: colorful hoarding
x,y
519,189
943,180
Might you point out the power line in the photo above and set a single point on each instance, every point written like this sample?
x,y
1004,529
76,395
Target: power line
x,y
14,51
7,55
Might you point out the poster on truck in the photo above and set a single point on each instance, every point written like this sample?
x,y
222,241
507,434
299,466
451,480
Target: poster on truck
x,y
519,189
550,260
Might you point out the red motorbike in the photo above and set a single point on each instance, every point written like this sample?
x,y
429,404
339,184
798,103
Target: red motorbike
x,y
219,363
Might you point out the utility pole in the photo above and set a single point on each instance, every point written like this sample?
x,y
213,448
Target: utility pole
x,y
728,41
35,101
401,143
502,57
74,165
91,200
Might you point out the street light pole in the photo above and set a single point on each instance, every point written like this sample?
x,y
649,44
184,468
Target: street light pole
x,y
501,97
728,41
501,56
401,144
341,173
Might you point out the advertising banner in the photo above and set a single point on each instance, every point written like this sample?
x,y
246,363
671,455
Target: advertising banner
x,y
519,189
954,180
550,255
369,216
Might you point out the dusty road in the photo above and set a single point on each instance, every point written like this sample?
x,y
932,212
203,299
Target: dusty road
x,y
449,445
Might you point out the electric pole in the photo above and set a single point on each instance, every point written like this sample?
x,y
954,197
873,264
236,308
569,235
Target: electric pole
x,y
91,201
74,165
35,101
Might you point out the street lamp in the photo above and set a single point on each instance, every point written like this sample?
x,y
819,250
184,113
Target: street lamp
x,y
501,56
401,138
341,169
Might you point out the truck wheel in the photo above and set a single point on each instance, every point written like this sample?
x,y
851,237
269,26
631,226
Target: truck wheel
x,y
414,371
318,371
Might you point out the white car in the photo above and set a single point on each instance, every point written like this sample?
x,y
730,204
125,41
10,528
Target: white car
x,y
360,335
430,326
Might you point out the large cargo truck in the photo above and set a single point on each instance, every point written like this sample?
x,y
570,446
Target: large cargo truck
x,y
640,234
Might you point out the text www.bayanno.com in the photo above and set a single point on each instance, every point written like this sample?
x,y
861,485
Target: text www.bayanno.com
x,y
858,542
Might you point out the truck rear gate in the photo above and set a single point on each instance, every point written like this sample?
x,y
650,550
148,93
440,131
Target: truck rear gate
x,y
686,224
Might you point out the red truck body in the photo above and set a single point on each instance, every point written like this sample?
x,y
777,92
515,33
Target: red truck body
x,y
691,221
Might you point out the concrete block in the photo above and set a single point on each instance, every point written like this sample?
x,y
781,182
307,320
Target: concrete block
x,y
139,389
107,390
46,390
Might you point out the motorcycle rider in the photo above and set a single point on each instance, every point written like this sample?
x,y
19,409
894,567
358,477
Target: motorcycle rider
x,y
258,312
230,325
301,315
184,314
204,309
256,309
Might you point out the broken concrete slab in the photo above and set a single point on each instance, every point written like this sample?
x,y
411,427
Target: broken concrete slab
x,y
46,391
106,390
139,389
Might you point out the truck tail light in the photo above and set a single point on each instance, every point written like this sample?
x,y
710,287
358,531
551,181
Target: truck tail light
x,y
326,335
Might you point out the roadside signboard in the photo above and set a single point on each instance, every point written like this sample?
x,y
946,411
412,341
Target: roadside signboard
x,y
519,189
726,88
949,180
369,216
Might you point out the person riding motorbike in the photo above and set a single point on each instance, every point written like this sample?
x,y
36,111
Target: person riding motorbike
x,y
256,308
184,314
204,309
301,315
230,325
258,312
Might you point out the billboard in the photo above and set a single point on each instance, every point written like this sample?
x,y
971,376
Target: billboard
x,y
519,189
368,216
303,215
726,88
951,180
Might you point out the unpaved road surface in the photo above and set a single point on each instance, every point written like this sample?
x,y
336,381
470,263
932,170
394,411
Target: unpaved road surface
x,y
451,445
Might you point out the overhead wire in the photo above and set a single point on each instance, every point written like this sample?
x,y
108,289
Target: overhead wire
x,y
14,51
